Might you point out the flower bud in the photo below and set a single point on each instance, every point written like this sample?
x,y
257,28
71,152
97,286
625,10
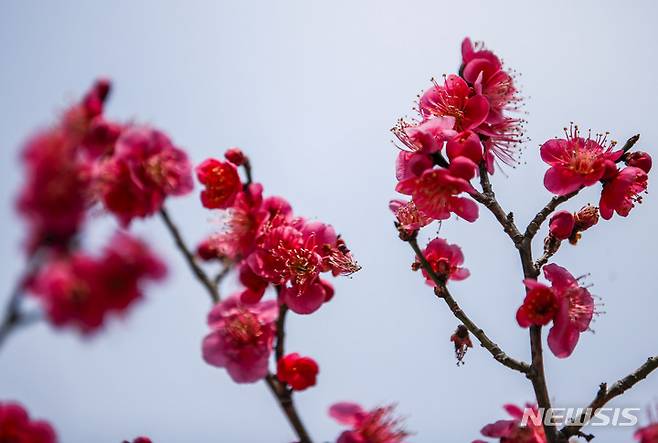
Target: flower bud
x,y
640,160
587,217
235,156
462,342
297,372
561,225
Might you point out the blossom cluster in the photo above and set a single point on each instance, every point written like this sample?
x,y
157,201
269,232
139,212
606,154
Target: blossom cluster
x,y
577,162
16,426
82,161
463,121
464,124
271,248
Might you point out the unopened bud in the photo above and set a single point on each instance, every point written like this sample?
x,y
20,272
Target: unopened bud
x,y
235,156
640,160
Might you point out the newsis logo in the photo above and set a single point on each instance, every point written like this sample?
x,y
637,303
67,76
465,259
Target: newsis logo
x,y
623,417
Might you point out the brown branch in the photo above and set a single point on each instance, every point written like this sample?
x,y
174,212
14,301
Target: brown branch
x,y
547,210
488,198
604,395
443,293
199,273
247,170
281,332
13,317
283,393
221,275
538,379
285,400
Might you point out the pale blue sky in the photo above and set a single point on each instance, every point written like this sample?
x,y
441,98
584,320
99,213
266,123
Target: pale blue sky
x,y
309,91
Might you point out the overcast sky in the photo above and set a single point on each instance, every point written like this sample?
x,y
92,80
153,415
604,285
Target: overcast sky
x,y
309,90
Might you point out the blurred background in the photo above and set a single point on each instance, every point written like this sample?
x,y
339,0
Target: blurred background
x,y
309,90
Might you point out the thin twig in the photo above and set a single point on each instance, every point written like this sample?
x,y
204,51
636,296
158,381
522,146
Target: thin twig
x,y
484,340
281,332
199,273
547,210
285,400
488,198
604,395
247,170
283,393
13,317
221,275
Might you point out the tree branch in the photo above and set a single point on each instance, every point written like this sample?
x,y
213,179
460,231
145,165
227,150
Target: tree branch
x,y
199,273
285,400
604,395
281,332
547,210
283,393
443,293
488,199
13,317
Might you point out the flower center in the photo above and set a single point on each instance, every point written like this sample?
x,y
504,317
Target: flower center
x,y
243,328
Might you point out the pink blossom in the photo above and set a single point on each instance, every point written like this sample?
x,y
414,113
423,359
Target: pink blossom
x,y
562,224
539,307
409,166
16,426
500,132
426,137
575,311
466,144
445,260
455,99
511,431
241,338
436,191
409,218
375,426
622,191
576,162
145,169
293,256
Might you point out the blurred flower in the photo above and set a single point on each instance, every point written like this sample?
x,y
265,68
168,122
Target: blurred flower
x,y
511,431
375,426
78,290
241,338
145,168
16,426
